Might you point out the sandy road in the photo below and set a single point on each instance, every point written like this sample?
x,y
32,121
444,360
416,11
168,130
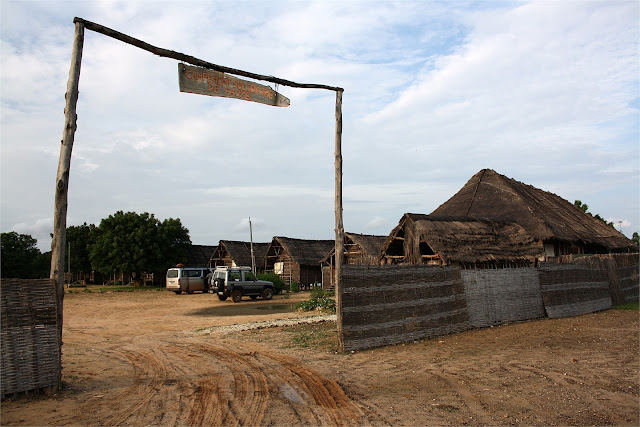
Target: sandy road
x,y
147,358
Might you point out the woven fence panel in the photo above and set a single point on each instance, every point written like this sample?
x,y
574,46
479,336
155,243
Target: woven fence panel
x,y
29,337
628,282
501,296
383,305
571,290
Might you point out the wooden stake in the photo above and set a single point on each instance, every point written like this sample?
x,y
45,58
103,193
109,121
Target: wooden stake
x,y
62,181
339,252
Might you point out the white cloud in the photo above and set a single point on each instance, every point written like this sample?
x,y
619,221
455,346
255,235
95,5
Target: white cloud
x,y
543,92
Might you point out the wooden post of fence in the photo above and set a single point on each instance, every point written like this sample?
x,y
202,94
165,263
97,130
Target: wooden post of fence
x,y
339,251
62,178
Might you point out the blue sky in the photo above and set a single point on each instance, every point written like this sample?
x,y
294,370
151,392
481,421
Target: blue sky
x,y
542,92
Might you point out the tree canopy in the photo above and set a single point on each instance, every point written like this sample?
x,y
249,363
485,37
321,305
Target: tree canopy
x,y
21,259
134,243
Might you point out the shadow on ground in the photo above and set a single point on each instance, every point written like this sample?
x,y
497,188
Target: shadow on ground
x,y
245,308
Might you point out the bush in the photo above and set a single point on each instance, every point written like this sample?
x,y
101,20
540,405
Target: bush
x,y
278,283
294,287
320,300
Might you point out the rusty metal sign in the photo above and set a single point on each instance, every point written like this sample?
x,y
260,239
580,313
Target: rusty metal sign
x,y
203,81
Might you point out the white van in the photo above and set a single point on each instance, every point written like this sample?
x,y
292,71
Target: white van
x,y
188,279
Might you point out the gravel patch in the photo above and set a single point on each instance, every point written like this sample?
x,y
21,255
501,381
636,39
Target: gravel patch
x,y
218,330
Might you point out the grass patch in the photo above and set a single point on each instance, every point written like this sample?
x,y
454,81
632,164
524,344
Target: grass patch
x,y
632,306
321,336
318,336
111,288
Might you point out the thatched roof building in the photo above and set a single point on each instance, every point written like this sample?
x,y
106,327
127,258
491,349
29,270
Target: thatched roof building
x,y
297,260
558,224
198,255
359,249
426,239
235,253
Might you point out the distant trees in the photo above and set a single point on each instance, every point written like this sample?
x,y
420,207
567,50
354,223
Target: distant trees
x,y
134,243
585,208
636,238
126,242
21,259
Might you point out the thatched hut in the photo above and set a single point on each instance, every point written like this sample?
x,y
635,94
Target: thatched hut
x,y
198,255
554,222
297,260
235,253
427,239
359,249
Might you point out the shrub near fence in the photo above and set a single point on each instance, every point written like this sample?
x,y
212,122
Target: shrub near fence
x,y
384,305
29,336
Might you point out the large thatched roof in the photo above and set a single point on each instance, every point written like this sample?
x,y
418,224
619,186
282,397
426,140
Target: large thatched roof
x,y
198,255
240,252
304,252
470,241
465,240
544,215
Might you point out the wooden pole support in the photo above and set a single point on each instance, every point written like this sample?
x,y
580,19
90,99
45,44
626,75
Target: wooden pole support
x,y
62,180
339,252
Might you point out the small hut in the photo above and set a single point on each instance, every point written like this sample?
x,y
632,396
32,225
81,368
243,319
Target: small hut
x,y
427,239
359,249
297,260
198,255
232,253
554,222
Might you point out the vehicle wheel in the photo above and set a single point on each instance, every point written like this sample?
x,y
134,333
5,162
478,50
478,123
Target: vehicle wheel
x,y
236,295
222,297
254,296
267,293
178,292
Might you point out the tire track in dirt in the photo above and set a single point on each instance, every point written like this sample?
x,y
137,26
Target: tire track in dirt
x,y
311,397
177,383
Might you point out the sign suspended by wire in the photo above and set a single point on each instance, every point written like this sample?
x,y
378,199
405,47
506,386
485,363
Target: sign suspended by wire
x,y
204,81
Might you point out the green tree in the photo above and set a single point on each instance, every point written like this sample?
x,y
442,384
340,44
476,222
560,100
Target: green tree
x,y
585,208
582,206
80,239
636,238
20,257
135,243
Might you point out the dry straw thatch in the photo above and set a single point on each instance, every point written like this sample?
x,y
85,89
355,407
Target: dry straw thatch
x,y
542,214
231,251
447,240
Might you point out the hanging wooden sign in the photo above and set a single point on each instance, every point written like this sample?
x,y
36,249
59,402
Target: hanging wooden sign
x,y
204,81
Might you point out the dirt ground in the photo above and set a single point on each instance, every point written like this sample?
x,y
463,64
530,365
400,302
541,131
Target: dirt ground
x,y
151,358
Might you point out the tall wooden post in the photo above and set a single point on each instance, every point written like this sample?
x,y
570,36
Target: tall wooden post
x,y
62,179
339,252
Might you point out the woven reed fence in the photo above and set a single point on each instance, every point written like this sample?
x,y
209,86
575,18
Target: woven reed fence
x,y
571,290
502,296
622,274
384,305
29,337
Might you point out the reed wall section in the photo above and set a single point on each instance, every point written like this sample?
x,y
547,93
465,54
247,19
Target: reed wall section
x,y
571,290
384,305
29,336
501,296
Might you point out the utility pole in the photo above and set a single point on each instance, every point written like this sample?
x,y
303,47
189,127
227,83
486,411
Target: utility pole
x,y
253,257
